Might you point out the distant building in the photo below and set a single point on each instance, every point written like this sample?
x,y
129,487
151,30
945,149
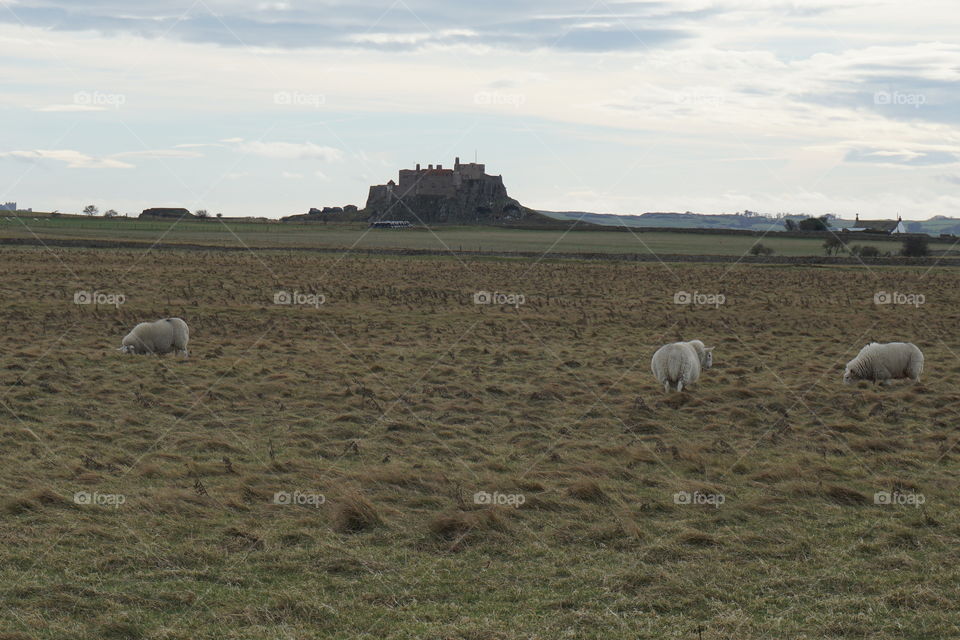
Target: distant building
x,y
390,224
877,226
166,212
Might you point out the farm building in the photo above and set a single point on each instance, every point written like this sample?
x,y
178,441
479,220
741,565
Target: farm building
x,y
877,226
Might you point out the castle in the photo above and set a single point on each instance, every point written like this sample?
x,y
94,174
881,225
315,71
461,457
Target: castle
x,y
439,181
463,194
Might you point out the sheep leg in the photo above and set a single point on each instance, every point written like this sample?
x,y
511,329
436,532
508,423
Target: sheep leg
x,y
666,386
680,384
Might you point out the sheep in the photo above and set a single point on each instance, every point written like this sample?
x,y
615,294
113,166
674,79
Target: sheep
x,y
882,362
162,336
680,363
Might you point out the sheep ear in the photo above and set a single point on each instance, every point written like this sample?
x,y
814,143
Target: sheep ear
x,y
709,348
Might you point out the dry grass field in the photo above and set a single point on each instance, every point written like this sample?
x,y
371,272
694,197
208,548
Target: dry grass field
x,y
317,471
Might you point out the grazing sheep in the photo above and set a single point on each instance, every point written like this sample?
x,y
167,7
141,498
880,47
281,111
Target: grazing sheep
x,y
882,362
680,363
162,336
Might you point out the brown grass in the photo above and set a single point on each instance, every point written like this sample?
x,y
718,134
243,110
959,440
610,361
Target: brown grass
x,y
354,513
400,399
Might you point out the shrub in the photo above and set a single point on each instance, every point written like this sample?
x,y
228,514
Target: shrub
x,y
915,247
865,251
814,224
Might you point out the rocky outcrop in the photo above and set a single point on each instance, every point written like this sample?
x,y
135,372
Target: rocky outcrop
x,y
475,202
327,214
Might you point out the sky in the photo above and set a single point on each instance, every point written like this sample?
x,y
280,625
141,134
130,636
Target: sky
x,y
268,108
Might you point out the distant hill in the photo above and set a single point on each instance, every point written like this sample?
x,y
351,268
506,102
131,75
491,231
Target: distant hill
x,y
755,222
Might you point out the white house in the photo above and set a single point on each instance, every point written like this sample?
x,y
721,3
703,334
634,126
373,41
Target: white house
x,y
878,226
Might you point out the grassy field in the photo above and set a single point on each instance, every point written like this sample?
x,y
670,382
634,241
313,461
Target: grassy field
x,y
316,470
243,234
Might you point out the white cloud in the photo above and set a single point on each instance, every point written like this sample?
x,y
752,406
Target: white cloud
x,y
289,150
159,153
72,159
410,38
53,108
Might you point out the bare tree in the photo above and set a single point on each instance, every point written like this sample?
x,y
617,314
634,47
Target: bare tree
x,y
833,245
91,210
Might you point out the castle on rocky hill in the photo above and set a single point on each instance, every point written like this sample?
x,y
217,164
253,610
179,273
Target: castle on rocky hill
x,y
464,194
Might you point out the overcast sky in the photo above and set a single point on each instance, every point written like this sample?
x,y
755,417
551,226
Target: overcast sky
x,y
271,107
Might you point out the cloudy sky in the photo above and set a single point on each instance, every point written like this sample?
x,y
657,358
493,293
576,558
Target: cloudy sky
x,y
268,107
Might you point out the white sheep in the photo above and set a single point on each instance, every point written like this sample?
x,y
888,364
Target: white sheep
x,y
680,363
882,362
162,336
